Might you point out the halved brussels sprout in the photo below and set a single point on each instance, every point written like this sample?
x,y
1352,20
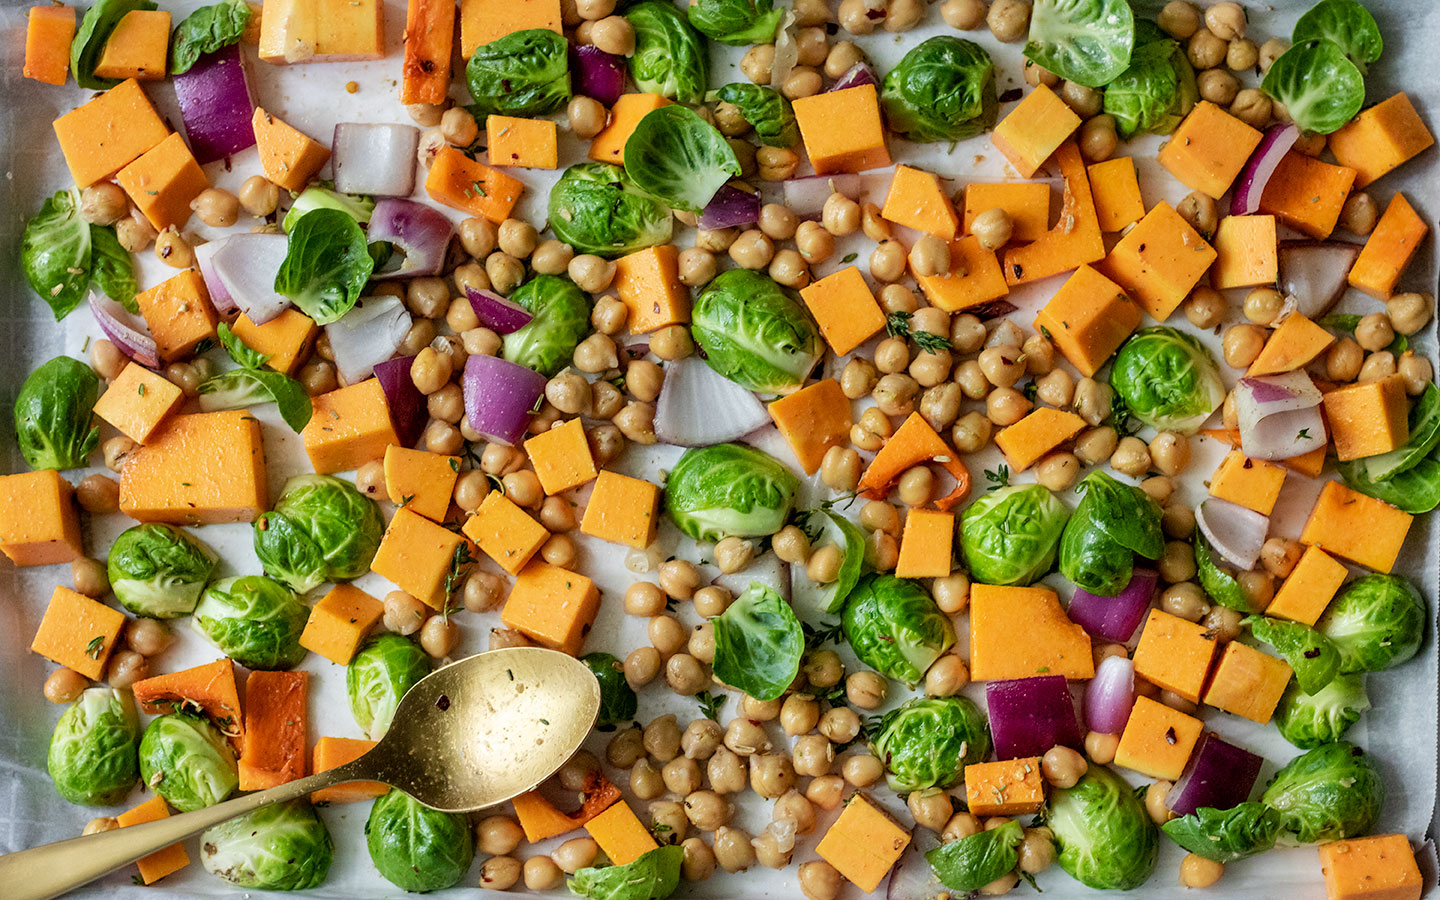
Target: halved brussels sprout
x,y
159,571
417,848
1106,839
756,333
561,320
895,628
280,847
322,529
1012,535
1167,379
1376,623
1332,792
929,741
93,757
379,675
254,620
729,490
186,760
942,90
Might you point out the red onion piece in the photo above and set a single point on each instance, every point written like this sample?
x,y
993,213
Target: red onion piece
x,y
768,570
374,159
857,75
806,196
419,233
1219,775
1315,273
730,207
1115,618
1236,532
1273,146
500,396
1279,415
1110,695
216,105
595,73
407,405
496,313
219,294
246,264
129,337
367,335
698,407
1028,716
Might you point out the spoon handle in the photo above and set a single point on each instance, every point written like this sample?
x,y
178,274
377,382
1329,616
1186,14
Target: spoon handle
x,y
50,870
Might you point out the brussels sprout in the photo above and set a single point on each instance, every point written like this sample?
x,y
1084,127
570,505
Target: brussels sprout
x,y
1112,524
928,742
895,628
1084,41
755,332
524,73
357,207
825,526
653,876
379,675
1106,839
1155,92
415,847
758,643
1346,23
159,571
597,209
670,57
1376,623
561,320
765,108
327,265
678,157
186,760
52,415
1217,577
942,90
1320,87
1226,835
56,251
974,861
93,757
1311,655
1326,794
1309,720
1167,379
729,490
1415,490
322,529
1012,535
280,847
254,620
617,698
738,23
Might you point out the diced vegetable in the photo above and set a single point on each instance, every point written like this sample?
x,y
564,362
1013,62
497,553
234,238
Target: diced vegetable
x,y
367,335
730,207
216,104
1110,695
1274,145
699,407
404,400
500,397
1279,415
1219,775
375,159
597,74
95,29
1235,532
855,76
1313,656
496,313
1115,618
1028,716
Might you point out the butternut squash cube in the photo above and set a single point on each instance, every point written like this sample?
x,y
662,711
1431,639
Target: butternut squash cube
x,y
562,457
505,532
483,21
461,183
210,687
917,200
620,834
1034,129
540,820
529,143
648,283
276,728
1307,194
49,31
429,44
974,278
162,862
1008,787
1380,139
1041,431
286,339
105,135
812,420
198,469
1088,319
1246,252
163,181
1026,202
844,308
339,622
1157,740
39,523
553,607
622,509
1174,654
1252,483
350,427
288,156
927,544
1368,418
138,47
420,480
1117,193
842,130
1312,584
137,401
297,31
1350,525
1297,342
1074,241
421,558
77,632
864,843
1248,682
179,314
1381,867
334,752
609,145
1017,632
1389,249
1160,260
1209,149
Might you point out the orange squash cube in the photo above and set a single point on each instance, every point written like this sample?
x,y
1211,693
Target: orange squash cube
x,y
39,522
483,21
1117,193
812,420
277,717
1307,194
162,862
1368,418
553,607
350,427
1246,252
974,278
505,532
1041,431
1034,129
1026,202
1159,261
844,308
288,156
1296,342
1017,632
105,135
623,510
198,469
334,752
1088,319
286,339
1209,149
339,622
421,558
864,843
420,480
531,143
137,401
917,200
138,47
842,130
609,145
620,834
460,182
78,633
1075,240
49,31
1157,740
179,314
1007,787
1353,526
1248,682
648,283
927,545
1381,138
1174,654
1252,483
1312,584
561,457
1381,867
1389,249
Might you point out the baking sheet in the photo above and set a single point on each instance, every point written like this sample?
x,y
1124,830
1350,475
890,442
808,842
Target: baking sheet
x,y
1400,730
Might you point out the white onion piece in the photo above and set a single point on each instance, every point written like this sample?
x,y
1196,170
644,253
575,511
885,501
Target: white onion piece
x,y
1236,533
204,260
769,570
128,333
374,159
1278,415
1315,273
698,407
246,264
787,52
806,196
367,335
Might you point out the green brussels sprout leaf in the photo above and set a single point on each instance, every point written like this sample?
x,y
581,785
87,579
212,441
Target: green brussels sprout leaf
x,y
561,320
206,30
53,415
1309,720
114,269
1012,535
617,699
729,490
1167,379
670,57
1327,794
895,628
415,847
755,332
758,643
929,741
1320,87
524,73
327,265
942,90
93,758
596,208
825,526
1217,579
678,157
316,197
765,108
1226,835
159,571
1112,524
254,620
1346,23
1376,623
736,22
653,876
281,847
1106,840
1312,655
386,667
973,862
252,384
186,760
1084,41
1154,93
55,252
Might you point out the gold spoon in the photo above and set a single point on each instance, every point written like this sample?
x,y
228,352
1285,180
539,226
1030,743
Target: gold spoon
x,y
470,735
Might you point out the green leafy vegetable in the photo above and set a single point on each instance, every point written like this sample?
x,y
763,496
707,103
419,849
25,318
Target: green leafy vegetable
x,y
89,43
93,758
385,668
1084,41
252,383
1217,578
524,73
1377,623
765,108
825,526
942,90
736,22
1416,490
206,30
315,197
596,208
327,265
755,332
1312,655
1424,438
1346,23
281,847
974,861
895,628
186,760
1327,794
56,249
670,57
53,414
678,157
322,529
653,876
1011,535
729,490
1167,379
159,571
1309,720
113,269
1155,92
417,848
617,699
929,741
1320,87
1112,524
1226,835
561,320
1106,839
254,620
758,643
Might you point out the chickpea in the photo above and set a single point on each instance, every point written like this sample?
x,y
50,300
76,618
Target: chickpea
x,y
216,207
1218,86
1002,366
992,228
757,63
681,775
542,874
1178,521
963,15
1201,212
789,269
1131,457
887,261
804,81
1062,767
916,486
134,232
771,774
799,713
116,451
174,250
1101,747
1179,19
65,686
641,666
699,861
1198,872
1205,50
1253,107
1093,400
701,644
1084,101
813,755
780,163
591,273
931,808
839,725
813,242
861,769
946,677
940,405
1223,623
498,835
752,250
1343,360
1374,332
757,710
866,690
701,739
1205,307
895,395
1098,138
1242,55
1009,20
1409,312
259,196
823,668
586,116
841,58
745,737
89,577
854,17
726,771
500,873
613,34
734,849
971,432
711,601
1006,406
930,256
1377,366
1037,851
125,668
1242,343
1417,371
